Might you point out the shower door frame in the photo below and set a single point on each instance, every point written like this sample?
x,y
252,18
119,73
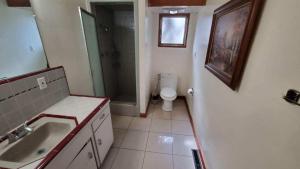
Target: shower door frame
x,y
84,36
136,41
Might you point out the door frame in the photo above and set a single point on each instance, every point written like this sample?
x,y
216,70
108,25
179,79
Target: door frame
x,y
136,34
80,9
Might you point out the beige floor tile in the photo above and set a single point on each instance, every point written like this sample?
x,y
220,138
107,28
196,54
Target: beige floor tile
x,y
121,122
119,135
183,162
159,125
157,161
182,127
180,115
160,143
136,140
167,143
128,159
140,124
160,114
109,159
183,144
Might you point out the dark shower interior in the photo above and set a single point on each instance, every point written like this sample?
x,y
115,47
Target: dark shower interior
x,y
115,29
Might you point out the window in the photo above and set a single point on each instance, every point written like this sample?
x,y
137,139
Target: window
x,y
173,30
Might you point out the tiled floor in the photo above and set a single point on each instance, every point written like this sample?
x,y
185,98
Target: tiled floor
x,y
163,140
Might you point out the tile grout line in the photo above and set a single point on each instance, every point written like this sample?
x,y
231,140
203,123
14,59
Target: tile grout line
x,y
149,131
146,145
113,161
173,141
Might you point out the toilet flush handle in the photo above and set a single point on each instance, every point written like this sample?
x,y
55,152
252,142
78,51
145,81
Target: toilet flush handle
x,y
190,91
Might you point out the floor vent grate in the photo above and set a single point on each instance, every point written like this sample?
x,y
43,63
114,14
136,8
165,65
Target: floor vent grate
x,y
196,159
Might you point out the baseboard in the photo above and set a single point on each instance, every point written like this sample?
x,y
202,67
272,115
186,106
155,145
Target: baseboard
x,y
200,152
144,115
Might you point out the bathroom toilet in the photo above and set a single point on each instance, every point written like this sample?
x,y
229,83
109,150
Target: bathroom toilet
x,y
168,86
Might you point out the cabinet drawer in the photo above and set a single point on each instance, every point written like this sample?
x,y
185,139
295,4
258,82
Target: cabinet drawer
x,y
100,117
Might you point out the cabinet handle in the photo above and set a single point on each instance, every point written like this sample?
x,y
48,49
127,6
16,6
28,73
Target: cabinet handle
x,y
90,155
99,142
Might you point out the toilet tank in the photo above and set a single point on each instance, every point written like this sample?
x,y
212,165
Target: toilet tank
x,y
168,80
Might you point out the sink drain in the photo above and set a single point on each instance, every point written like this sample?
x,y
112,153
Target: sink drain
x,y
41,151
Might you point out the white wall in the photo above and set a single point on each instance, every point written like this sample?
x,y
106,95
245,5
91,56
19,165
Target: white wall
x,y
252,127
60,27
147,70
64,43
21,49
173,60
145,60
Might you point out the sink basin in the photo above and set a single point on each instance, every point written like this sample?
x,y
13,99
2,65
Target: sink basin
x,y
47,133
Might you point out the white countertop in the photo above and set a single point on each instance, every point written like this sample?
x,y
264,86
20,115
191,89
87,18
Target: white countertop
x,y
76,106
79,107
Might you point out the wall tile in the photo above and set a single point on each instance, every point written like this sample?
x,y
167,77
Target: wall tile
x,y
40,105
14,118
5,91
4,125
51,75
8,105
19,86
22,99
36,93
60,73
32,81
28,111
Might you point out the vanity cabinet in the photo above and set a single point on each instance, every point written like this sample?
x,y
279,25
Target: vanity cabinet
x,y
104,138
69,153
89,146
85,159
103,133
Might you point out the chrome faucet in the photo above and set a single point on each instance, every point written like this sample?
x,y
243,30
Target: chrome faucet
x,y
19,133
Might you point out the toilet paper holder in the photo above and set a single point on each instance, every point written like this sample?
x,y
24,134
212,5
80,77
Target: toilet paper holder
x,y
292,96
190,91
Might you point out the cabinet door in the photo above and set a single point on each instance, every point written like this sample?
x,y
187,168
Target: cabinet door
x,y
85,159
104,137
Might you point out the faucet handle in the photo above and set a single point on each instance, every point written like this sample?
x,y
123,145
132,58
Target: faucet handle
x,y
25,124
27,128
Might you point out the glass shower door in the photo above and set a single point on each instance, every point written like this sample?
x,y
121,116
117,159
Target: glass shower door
x,y
88,22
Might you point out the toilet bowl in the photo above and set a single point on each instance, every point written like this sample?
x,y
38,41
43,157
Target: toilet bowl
x,y
168,86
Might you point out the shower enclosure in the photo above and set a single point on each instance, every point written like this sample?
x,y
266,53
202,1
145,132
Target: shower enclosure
x,y
110,40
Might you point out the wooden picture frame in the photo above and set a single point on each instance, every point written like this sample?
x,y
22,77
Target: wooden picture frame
x,y
183,15
232,31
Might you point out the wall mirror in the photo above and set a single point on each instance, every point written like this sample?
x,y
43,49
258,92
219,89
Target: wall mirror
x,y
173,30
21,48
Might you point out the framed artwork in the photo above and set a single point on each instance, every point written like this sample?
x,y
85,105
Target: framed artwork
x,y
231,34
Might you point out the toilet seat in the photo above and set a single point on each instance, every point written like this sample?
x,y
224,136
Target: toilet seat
x,y
168,94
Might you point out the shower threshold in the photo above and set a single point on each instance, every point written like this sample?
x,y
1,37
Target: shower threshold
x,y
124,108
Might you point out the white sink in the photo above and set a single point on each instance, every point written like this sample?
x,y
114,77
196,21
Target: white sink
x,y
47,133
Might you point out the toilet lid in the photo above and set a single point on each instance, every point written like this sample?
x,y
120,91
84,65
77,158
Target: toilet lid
x,y
168,92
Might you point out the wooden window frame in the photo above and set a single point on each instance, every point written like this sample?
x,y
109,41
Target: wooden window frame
x,y
184,15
